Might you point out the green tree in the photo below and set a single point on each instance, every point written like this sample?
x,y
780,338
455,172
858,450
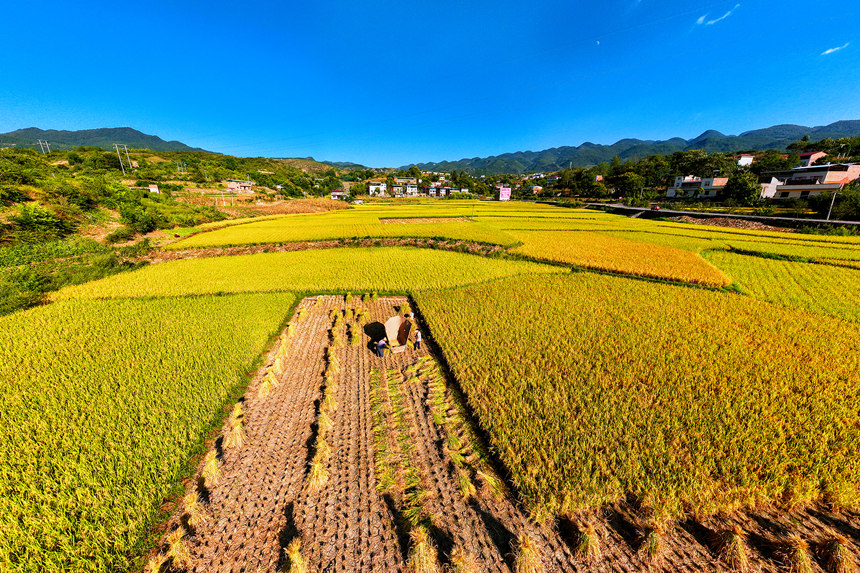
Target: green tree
x,y
774,161
847,207
743,188
628,183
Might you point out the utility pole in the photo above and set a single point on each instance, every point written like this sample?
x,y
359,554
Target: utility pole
x,y
832,201
118,156
41,145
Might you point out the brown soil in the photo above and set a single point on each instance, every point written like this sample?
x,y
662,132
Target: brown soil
x,y
101,230
262,501
453,245
249,206
417,220
732,223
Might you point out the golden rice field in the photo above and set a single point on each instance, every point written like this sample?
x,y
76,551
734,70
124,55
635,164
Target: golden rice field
x,y
692,400
102,404
591,388
353,223
607,253
822,288
330,270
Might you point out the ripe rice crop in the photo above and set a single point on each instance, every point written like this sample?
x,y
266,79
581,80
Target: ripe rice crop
x,y
103,403
691,400
801,250
338,225
359,269
820,288
602,252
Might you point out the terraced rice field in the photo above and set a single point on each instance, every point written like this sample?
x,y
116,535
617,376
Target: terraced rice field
x,y
405,480
603,252
403,460
560,420
831,289
102,405
340,270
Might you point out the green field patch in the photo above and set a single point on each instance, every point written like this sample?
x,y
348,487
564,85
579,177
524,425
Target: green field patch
x,y
389,269
802,250
103,404
819,288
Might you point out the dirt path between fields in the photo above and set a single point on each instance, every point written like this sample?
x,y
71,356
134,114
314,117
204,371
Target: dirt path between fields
x,y
347,461
449,245
422,220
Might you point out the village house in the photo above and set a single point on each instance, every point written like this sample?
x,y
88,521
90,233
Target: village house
x,y
406,181
745,159
379,189
339,195
437,191
810,157
803,182
239,186
412,189
693,186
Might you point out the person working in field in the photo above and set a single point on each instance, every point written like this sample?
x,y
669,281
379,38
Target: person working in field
x,y
417,340
380,347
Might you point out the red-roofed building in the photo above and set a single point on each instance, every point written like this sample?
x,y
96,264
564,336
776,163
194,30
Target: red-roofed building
x,y
803,182
745,159
810,157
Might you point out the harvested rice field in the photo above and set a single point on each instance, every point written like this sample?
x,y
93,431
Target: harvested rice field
x,y
336,459
364,463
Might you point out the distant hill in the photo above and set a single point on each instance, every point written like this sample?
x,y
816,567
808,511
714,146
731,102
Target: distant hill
x,y
587,154
345,164
104,137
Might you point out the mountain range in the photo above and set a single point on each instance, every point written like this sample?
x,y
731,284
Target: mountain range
x,y
104,137
588,154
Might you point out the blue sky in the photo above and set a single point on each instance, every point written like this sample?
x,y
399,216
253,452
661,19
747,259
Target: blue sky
x,y
388,83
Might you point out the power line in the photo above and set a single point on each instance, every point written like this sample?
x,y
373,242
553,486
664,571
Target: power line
x,y
124,147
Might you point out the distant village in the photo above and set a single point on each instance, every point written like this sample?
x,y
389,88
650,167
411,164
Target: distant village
x,y
812,177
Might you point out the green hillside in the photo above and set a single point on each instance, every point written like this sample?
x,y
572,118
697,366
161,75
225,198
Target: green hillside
x,y
104,138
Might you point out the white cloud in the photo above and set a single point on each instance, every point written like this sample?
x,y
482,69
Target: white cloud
x,y
831,50
702,19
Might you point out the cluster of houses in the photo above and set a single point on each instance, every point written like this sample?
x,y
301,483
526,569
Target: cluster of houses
x,y
408,187
801,182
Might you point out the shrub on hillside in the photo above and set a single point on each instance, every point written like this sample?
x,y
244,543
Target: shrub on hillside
x,y
10,194
120,235
34,223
